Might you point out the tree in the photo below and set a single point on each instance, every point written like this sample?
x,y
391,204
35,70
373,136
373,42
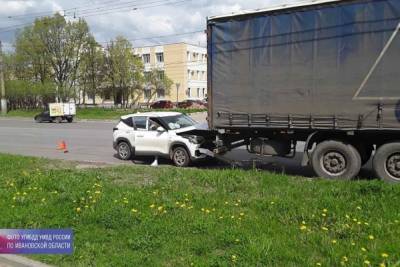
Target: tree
x,y
63,44
157,84
124,71
91,70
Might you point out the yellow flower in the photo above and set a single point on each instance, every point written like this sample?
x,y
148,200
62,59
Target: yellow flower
x,y
303,227
382,265
43,199
237,240
160,208
359,223
183,205
367,262
24,193
272,203
323,215
221,217
232,217
318,264
207,211
366,223
364,249
334,241
371,237
226,202
177,203
385,255
242,214
353,244
152,206
78,209
134,210
86,206
325,210
324,228
345,259
234,257
97,192
359,208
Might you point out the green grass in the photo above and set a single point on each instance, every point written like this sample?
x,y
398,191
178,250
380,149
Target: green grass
x,y
142,216
96,113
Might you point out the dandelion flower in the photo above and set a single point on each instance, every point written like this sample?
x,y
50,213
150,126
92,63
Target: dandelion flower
x,y
97,192
382,265
364,249
272,203
347,216
221,217
367,262
371,237
234,258
152,206
232,217
385,255
242,214
177,203
323,214
318,264
78,209
237,240
226,202
359,208
325,228
160,208
86,206
134,210
325,210
303,227
334,241
353,244
345,259
207,211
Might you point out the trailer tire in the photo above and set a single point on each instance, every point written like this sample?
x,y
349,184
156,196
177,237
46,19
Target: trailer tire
x,y
70,120
336,160
386,162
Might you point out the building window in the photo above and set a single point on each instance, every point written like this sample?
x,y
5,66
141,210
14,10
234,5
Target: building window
x,y
188,56
147,75
146,58
192,74
204,92
194,56
160,57
203,75
188,92
147,94
198,92
161,74
160,93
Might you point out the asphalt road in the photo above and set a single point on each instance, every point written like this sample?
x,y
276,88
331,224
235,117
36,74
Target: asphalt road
x,y
91,141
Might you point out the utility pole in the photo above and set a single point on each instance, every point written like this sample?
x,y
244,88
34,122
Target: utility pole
x,y
177,93
2,88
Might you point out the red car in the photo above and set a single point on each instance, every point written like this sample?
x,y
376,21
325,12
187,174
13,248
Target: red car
x,y
162,104
192,103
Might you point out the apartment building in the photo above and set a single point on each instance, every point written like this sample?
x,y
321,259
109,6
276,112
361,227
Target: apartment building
x,y
184,64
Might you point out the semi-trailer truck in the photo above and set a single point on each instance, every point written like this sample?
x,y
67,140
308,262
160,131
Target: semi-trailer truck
x,y
324,72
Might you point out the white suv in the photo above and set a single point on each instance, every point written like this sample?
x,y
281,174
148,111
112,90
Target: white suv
x,y
158,134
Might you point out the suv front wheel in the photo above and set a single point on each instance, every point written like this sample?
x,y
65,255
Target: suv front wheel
x,y
180,157
124,151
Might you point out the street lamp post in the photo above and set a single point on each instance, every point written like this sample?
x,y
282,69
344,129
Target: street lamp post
x,y
3,101
177,93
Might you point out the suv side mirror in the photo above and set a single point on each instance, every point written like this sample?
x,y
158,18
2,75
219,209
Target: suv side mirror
x,y
160,129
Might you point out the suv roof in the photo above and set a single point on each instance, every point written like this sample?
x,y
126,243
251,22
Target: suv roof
x,y
152,114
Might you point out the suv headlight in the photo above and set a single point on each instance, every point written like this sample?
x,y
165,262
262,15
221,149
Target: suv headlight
x,y
195,139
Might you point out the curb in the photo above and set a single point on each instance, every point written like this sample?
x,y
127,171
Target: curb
x,y
8,260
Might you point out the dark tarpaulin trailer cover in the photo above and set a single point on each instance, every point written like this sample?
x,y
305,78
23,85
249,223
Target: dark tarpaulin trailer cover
x,y
331,65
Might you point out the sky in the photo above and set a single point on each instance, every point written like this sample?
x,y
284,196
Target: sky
x,y
138,20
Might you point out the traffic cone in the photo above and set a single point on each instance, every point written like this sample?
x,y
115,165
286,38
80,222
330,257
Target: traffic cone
x,y
155,163
63,146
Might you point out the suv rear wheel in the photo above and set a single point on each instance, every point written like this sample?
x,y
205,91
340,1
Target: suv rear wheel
x,y
180,157
124,151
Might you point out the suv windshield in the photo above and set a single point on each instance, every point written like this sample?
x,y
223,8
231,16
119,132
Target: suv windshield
x,y
178,122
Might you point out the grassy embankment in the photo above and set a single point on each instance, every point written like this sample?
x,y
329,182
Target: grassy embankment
x,y
97,113
142,216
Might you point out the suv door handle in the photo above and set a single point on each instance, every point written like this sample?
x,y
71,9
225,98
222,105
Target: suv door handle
x,y
140,136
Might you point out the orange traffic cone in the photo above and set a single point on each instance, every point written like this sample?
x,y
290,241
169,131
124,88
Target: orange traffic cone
x,y
63,146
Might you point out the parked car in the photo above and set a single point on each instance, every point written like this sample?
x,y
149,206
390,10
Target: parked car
x,y
192,103
162,104
158,134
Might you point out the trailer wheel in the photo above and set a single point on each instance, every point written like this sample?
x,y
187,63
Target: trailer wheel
x,y
336,160
70,120
386,162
